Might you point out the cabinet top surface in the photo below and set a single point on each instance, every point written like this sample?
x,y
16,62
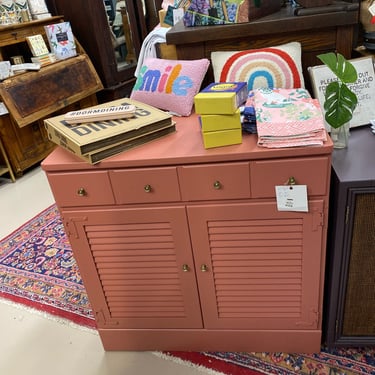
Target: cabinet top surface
x,y
181,147
356,163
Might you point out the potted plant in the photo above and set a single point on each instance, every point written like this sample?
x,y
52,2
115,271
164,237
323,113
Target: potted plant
x,y
340,101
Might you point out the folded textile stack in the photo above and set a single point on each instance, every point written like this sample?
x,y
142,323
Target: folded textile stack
x,y
248,117
288,118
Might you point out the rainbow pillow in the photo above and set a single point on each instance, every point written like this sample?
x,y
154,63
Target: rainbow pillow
x,y
170,84
273,67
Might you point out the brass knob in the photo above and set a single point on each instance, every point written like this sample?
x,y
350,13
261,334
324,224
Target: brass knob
x,y
291,181
204,268
217,185
185,268
81,192
147,188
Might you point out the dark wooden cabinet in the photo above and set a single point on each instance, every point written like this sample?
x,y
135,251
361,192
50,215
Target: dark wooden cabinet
x,y
317,33
111,38
349,307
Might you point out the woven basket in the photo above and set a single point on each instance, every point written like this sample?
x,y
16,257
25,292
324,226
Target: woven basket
x,y
314,3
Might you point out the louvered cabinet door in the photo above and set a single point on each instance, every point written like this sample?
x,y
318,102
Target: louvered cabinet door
x,y
258,268
137,266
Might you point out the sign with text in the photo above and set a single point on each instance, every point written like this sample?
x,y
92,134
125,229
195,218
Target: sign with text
x,y
364,88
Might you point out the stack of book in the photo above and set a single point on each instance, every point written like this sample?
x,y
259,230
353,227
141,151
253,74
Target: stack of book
x,y
219,108
97,140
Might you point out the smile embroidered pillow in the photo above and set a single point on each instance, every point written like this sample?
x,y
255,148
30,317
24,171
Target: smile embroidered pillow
x,y
170,84
272,67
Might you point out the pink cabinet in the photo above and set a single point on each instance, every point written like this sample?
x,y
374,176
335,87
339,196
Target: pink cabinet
x,y
182,248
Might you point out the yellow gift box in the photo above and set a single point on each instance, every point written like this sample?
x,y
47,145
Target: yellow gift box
x,y
222,138
221,98
211,123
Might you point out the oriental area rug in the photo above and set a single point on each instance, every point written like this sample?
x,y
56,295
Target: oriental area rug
x,y
38,271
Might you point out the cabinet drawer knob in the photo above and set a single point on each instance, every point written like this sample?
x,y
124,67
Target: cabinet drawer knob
x,y
185,268
204,268
147,188
217,185
81,192
291,181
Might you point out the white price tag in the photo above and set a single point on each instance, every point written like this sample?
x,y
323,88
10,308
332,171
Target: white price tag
x,y
372,9
292,198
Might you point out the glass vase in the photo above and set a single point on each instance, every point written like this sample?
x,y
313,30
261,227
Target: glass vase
x,y
340,136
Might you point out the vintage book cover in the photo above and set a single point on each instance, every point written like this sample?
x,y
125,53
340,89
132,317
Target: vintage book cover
x,y
61,40
86,138
103,153
37,45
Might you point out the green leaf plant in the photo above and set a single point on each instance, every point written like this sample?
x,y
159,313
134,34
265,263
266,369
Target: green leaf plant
x,y
340,102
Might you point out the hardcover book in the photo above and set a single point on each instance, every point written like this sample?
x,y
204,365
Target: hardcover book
x,y
103,153
94,137
37,45
61,40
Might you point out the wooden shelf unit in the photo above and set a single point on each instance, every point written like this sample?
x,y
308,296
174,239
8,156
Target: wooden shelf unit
x,y
34,95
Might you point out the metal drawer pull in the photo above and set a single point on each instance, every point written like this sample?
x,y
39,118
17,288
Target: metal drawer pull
x,y
147,188
291,181
217,185
81,192
185,268
204,268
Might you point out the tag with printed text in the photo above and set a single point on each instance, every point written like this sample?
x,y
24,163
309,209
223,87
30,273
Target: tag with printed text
x,y
292,198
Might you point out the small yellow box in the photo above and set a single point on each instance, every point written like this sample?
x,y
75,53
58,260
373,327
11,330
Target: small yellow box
x,y
211,123
222,138
221,98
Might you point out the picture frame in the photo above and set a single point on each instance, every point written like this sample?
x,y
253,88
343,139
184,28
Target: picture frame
x,y
364,88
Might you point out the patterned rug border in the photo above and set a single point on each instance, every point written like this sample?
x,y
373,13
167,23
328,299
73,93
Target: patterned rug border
x,y
30,298
336,362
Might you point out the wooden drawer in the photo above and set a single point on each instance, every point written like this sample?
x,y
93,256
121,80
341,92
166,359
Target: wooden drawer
x,y
145,185
13,36
215,181
81,189
265,175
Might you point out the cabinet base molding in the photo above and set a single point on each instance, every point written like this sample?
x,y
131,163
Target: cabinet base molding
x,y
211,340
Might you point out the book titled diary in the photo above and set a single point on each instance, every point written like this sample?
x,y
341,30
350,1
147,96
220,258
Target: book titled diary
x,y
61,40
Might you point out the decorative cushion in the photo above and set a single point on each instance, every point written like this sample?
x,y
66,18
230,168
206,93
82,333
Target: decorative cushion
x,y
170,84
273,67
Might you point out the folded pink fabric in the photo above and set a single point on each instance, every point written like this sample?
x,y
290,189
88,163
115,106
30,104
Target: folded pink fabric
x,y
288,118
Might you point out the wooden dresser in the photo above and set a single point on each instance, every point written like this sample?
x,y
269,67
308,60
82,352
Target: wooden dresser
x,y
183,248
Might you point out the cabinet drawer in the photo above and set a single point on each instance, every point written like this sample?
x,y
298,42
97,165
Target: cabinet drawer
x,y
215,181
81,189
265,175
145,185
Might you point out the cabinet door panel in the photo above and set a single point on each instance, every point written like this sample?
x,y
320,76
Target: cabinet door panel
x,y
258,268
137,266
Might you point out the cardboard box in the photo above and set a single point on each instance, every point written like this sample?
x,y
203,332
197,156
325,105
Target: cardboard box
x,y
211,123
222,138
221,98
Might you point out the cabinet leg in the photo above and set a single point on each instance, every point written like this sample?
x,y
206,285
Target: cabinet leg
x,y
7,163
